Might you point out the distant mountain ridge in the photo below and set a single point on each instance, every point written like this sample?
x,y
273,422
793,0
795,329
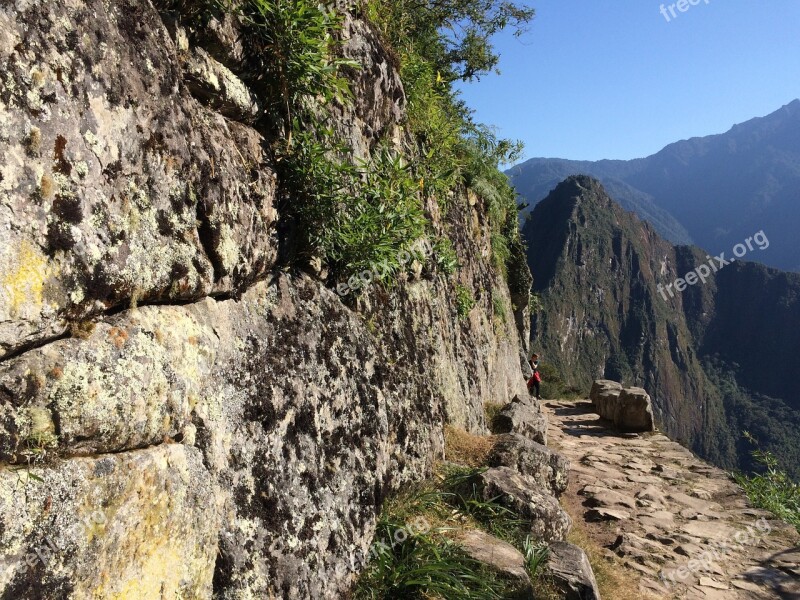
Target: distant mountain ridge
x,y
718,359
714,191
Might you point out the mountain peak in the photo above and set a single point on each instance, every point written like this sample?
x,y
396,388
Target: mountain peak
x,y
713,191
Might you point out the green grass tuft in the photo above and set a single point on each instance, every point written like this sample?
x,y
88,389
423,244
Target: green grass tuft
x,y
465,301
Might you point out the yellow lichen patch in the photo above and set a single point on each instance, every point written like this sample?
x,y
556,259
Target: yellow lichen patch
x,y
160,576
149,547
23,276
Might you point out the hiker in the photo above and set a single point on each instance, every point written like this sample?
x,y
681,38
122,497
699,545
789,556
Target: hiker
x,y
534,383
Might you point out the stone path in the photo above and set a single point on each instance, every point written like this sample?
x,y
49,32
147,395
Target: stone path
x,y
679,523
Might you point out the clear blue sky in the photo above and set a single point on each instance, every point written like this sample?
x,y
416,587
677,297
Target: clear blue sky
x,y
613,79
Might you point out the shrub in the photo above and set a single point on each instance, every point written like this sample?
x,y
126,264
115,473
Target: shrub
x,y
445,257
773,489
356,218
291,55
499,308
379,221
465,301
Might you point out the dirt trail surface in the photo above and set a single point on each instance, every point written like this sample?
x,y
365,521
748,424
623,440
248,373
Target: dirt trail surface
x,y
678,522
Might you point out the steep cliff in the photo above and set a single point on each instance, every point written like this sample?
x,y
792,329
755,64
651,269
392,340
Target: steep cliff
x,y
717,358
186,411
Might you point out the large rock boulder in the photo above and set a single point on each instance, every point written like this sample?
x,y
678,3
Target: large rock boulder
x,y
550,469
523,495
501,557
630,409
603,394
571,572
523,416
634,411
117,187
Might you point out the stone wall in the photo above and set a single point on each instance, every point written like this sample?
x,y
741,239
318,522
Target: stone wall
x,y
180,414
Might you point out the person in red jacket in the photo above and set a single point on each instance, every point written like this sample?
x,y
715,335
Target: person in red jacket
x,y
534,383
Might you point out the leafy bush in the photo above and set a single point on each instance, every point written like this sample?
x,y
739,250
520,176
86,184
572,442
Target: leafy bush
x,y
379,221
499,308
356,217
445,257
291,55
464,301
437,44
773,489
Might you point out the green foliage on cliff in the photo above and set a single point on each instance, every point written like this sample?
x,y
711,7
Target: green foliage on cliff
x,y
438,43
454,36
291,54
358,217
465,300
361,217
772,489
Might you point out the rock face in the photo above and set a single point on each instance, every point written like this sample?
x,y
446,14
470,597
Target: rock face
x,y
180,416
117,186
630,409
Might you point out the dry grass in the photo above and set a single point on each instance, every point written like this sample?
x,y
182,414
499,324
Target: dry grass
x,y
466,448
491,410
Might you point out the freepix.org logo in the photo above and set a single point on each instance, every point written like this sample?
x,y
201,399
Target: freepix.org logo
x,y
715,264
670,11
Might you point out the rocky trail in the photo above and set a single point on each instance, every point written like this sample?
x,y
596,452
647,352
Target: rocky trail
x,y
680,524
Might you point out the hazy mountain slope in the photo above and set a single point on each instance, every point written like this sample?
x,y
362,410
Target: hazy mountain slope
x,y
716,359
721,188
535,178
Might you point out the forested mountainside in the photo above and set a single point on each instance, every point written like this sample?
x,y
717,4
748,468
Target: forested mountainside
x,y
713,191
718,359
